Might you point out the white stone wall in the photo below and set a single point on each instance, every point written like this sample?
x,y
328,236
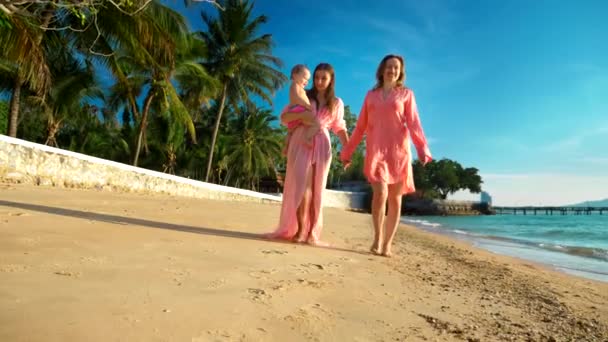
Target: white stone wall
x,y
27,162
344,199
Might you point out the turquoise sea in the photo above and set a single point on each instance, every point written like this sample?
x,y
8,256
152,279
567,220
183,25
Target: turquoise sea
x,y
577,244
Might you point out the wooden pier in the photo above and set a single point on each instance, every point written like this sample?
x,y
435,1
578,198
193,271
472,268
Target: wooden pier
x,y
550,210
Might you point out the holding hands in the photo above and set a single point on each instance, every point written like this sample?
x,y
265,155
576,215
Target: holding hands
x,y
425,159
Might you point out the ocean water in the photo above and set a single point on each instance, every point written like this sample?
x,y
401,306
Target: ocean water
x,y
577,244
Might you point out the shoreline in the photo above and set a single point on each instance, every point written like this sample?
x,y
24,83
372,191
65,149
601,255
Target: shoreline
x,y
100,266
528,251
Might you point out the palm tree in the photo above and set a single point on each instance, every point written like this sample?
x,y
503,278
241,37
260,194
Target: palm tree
x,y
252,145
20,38
3,115
73,84
92,131
152,50
240,58
141,51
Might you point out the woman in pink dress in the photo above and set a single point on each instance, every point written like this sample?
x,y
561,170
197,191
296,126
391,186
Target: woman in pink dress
x,y
388,118
308,166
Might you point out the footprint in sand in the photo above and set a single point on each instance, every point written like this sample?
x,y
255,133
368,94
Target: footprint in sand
x,y
282,285
274,251
68,273
216,284
94,260
312,283
18,214
262,274
288,284
12,268
210,251
258,295
215,335
329,269
311,266
310,319
179,275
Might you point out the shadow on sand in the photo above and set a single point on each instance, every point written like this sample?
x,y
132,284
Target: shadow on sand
x,y
115,219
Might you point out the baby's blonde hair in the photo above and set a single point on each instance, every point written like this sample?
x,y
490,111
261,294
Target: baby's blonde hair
x,y
298,68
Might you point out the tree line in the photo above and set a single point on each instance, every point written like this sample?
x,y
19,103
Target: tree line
x,y
127,80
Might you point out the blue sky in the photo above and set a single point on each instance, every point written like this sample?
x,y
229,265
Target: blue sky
x,y
516,88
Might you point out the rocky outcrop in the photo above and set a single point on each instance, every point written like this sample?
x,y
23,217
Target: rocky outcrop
x,y
444,207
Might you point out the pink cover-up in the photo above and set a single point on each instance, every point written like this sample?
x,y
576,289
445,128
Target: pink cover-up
x,y
300,159
388,125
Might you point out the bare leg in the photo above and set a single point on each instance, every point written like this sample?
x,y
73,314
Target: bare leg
x,y
313,236
304,208
392,219
380,194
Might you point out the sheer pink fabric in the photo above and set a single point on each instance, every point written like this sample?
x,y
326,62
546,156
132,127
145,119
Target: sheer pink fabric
x,y
302,159
388,125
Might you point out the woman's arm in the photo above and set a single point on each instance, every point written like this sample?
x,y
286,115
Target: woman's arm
x,y
343,136
355,139
338,126
416,132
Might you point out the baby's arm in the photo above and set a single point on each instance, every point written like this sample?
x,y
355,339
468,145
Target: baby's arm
x,y
306,117
297,96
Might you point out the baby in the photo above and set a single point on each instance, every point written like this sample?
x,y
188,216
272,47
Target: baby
x,y
298,103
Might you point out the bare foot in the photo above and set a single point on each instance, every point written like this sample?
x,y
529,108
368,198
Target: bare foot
x,y
318,243
387,254
298,239
375,249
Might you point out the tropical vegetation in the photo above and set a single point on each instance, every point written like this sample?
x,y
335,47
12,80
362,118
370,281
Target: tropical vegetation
x,y
127,80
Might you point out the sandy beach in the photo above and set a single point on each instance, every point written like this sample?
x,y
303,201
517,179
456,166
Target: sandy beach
x,y
83,265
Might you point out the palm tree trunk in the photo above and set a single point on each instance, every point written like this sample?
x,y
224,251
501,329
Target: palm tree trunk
x,y
215,130
145,143
13,117
18,85
143,124
134,108
52,129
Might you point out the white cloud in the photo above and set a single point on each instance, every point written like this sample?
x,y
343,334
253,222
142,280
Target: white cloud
x,y
543,188
576,141
595,160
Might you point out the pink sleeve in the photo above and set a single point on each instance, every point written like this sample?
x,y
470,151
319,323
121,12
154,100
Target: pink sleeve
x,y
339,124
415,127
357,135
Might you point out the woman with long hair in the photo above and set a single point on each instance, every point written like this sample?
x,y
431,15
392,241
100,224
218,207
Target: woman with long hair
x,y
308,163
